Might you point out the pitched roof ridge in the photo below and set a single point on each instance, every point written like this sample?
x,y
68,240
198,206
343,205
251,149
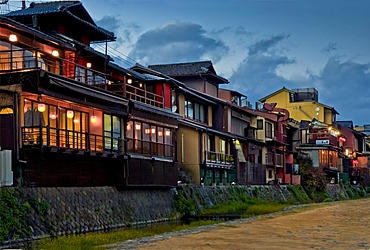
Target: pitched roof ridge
x,y
53,3
181,63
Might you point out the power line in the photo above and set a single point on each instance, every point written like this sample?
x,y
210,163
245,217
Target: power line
x,y
117,55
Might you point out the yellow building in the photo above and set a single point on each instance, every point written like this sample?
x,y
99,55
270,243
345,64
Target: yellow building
x,y
302,104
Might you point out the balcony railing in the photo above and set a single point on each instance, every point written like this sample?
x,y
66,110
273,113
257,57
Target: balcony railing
x,y
144,96
219,158
44,136
21,59
150,149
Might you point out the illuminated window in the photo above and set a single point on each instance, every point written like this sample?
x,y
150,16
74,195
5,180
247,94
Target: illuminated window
x,y
112,132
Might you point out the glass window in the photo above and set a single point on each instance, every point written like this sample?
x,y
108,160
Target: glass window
x,y
201,114
112,132
268,131
259,124
195,111
222,146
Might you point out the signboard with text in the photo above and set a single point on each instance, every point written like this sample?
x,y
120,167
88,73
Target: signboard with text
x,y
322,142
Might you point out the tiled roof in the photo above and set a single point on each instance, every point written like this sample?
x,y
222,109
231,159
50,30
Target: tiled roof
x,y
73,9
178,69
44,8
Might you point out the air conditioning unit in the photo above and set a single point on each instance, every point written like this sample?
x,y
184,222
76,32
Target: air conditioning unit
x,y
6,173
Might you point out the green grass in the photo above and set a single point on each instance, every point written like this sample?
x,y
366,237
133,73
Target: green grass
x,y
247,208
92,240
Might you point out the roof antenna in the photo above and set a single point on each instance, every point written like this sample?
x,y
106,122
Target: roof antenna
x,y
23,4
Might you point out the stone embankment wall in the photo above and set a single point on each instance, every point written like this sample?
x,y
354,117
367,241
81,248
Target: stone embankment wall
x,y
81,210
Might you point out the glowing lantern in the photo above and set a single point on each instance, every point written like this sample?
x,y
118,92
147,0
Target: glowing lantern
x,y
13,38
41,107
70,114
55,53
93,119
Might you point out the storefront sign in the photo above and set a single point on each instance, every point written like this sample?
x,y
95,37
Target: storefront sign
x,y
322,142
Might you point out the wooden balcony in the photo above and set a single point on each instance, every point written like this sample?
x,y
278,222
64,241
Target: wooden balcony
x,y
144,96
63,140
23,59
219,159
150,149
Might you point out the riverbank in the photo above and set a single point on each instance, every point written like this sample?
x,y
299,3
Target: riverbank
x,y
52,212
336,225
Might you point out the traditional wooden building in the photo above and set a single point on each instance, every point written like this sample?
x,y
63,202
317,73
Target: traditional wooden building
x,y
79,119
204,149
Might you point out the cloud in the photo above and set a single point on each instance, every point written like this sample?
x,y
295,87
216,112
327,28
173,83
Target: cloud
x,y
177,42
343,84
125,33
257,75
266,44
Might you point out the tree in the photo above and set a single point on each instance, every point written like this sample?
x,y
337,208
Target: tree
x,y
312,178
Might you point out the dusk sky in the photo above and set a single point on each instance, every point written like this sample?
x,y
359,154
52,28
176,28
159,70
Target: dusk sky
x,y
260,46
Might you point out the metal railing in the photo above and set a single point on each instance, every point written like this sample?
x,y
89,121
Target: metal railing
x,y
219,158
45,136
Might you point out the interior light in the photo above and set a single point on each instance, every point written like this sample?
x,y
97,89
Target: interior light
x,y
70,114
128,127
153,130
137,126
147,131
41,107
76,120
6,111
55,53
93,119
88,65
168,133
53,115
13,38
129,81
141,85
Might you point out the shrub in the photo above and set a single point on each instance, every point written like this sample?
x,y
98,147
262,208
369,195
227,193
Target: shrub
x,y
299,194
328,200
14,222
185,206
